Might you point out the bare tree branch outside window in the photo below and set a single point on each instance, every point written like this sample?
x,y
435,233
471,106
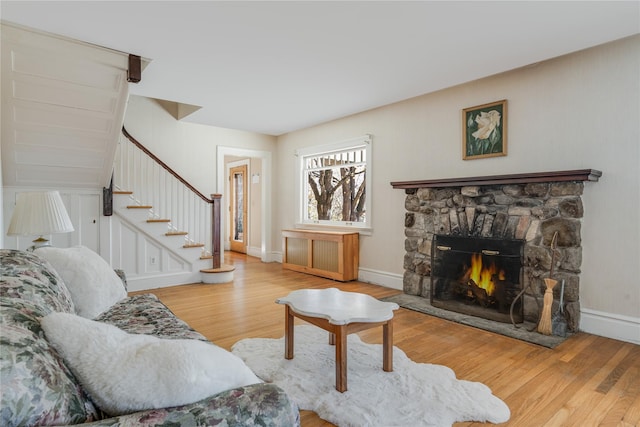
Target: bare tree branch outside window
x,y
336,186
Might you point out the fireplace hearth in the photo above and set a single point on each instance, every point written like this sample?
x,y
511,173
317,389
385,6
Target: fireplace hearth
x,y
525,208
477,276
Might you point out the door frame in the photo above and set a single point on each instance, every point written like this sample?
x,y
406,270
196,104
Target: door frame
x,y
266,254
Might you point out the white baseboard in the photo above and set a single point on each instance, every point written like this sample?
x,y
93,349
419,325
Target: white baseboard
x,y
615,326
143,283
382,278
254,251
274,257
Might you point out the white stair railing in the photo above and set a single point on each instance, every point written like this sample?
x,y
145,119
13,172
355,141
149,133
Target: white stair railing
x,y
153,183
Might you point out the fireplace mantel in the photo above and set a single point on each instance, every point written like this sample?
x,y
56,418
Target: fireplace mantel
x,y
520,178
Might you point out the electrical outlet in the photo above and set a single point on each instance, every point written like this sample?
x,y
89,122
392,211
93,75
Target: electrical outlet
x,y
153,260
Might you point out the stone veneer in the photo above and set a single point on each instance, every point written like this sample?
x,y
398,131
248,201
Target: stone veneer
x,y
529,211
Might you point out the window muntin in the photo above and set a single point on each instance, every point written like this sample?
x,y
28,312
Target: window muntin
x,y
334,184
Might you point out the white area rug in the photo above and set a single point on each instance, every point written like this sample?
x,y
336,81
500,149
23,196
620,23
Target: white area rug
x,y
414,394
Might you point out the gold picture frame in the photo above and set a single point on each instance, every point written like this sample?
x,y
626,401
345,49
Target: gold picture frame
x,y
484,131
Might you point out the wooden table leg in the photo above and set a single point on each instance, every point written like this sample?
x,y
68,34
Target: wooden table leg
x,y
288,333
387,346
341,358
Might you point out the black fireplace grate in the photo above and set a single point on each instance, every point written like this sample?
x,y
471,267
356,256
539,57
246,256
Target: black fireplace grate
x,y
477,276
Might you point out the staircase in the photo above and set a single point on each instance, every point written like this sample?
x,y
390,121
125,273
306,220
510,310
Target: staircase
x,y
173,233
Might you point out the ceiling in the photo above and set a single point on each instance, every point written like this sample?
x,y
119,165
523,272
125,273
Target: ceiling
x,y
275,67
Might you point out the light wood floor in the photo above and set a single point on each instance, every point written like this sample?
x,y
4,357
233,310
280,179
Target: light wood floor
x,y
586,381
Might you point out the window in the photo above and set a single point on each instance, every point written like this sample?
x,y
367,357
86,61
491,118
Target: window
x,y
334,181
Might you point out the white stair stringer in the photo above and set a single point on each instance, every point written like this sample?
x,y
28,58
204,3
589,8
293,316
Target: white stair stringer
x,y
150,258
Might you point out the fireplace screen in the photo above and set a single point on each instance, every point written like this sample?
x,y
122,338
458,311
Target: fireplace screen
x,y
477,276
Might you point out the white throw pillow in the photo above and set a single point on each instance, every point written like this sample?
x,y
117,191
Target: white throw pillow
x,y
92,283
125,373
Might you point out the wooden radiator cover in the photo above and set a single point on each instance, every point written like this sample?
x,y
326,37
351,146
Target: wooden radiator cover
x,y
330,254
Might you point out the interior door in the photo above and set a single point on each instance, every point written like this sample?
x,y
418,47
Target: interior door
x,y
238,209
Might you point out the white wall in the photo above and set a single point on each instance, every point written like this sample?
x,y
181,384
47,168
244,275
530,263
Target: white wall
x,y
187,148
255,207
575,112
191,150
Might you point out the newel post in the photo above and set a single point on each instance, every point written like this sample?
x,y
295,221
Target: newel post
x,y
215,229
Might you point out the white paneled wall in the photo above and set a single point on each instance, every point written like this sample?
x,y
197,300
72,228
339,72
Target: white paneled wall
x,y
147,259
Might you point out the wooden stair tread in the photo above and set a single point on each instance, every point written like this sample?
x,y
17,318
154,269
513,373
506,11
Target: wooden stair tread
x,y
176,233
139,207
206,257
193,245
158,220
123,192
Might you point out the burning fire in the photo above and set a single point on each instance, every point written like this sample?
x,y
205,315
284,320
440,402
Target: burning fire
x,y
482,275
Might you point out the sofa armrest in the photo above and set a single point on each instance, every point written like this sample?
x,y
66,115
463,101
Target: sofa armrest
x,y
258,404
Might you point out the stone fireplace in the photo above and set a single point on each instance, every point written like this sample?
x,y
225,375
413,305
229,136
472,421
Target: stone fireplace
x,y
529,208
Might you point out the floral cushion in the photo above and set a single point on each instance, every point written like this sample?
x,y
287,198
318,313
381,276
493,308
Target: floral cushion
x,y
146,314
26,276
37,387
255,405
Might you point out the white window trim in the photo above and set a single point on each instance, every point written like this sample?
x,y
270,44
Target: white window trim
x,y
362,228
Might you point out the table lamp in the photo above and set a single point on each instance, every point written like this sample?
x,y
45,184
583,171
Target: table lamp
x,y
39,213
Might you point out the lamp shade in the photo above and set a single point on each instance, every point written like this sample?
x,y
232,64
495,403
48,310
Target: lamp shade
x,y
38,213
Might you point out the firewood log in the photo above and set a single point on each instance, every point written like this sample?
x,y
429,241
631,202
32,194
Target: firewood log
x,y
479,293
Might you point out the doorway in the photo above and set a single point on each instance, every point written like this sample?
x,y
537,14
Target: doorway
x,y
238,201
259,210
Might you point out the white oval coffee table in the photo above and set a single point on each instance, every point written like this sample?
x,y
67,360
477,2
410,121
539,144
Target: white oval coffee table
x,y
340,313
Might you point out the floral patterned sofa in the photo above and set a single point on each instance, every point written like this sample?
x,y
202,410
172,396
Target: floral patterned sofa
x,y
38,388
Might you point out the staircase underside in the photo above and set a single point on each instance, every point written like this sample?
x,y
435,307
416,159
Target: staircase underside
x,y
63,105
